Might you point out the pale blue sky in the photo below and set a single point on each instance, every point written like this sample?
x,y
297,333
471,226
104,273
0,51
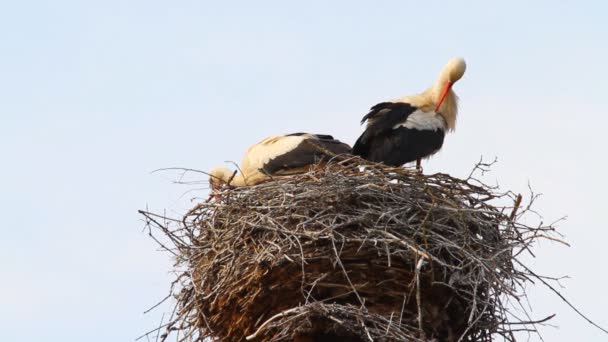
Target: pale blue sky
x,y
96,94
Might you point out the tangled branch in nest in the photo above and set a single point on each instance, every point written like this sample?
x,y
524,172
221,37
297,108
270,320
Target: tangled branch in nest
x,y
352,250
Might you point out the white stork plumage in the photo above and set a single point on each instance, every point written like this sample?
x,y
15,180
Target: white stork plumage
x,y
279,155
412,127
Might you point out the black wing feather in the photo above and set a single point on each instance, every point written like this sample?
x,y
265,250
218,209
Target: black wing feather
x,y
380,120
308,152
404,145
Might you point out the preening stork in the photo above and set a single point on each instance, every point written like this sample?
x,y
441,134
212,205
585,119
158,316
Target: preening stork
x,y
412,127
279,155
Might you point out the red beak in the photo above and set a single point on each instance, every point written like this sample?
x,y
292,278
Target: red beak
x,y
447,88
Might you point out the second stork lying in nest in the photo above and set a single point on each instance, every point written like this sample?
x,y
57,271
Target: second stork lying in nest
x,y
412,127
279,155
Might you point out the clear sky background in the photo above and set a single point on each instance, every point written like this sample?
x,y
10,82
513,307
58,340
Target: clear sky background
x,y
96,94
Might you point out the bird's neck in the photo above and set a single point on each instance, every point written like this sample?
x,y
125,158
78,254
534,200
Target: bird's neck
x,y
237,180
449,106
427,101
250,178
448,109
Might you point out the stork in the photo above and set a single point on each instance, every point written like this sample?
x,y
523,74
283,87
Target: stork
x,y
279,155
412,127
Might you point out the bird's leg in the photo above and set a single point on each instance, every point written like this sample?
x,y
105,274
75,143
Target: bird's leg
x,y
419,165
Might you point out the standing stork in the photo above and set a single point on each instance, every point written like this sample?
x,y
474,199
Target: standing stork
x,y
412,127
279,155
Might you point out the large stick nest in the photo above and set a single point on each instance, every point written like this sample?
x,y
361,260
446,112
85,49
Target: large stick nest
x,y
352,252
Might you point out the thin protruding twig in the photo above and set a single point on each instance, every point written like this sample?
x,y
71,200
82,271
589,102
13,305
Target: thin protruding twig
x,y
561,296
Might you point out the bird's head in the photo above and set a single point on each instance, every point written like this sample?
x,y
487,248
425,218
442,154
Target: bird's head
x,y
219,176
440,97
449,75
444,99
